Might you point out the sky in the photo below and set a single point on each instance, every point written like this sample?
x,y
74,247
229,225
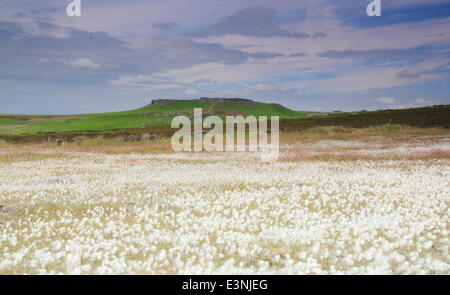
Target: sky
x,y
317,55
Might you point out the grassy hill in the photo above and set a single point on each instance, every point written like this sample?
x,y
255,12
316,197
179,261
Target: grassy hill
x,y
426,117
150,115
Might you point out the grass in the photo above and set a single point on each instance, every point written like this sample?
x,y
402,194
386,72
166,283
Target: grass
x,y
257,109
389,135
159,115
347,133
428,117
25,129
372,143
8,120
94,144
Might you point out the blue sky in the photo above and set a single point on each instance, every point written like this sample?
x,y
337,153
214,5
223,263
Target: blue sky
x,y
308,55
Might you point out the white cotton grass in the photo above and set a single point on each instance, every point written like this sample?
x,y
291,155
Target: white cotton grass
x,y
94,213
372,148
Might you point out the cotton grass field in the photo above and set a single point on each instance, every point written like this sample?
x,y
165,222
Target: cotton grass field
x,y
373,205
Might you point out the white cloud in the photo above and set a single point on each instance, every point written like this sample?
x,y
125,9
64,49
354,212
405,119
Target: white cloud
x,y
347,75
79,63
82,63
267,87
418,102
191,91
43,61
350,75
368,78
146,82
386,100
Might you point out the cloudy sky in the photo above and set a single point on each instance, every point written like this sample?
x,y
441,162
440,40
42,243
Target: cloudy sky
x,y
319,55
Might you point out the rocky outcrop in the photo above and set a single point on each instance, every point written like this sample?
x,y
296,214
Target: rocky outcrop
x,y
226,100
206,99
161,101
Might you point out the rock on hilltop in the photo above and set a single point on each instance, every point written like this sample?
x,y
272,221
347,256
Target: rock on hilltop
x,y
206,99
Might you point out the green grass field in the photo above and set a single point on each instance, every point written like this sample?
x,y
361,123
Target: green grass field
x,y
157,115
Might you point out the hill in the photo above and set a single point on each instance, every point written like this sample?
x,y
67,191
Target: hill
x,y
158,113
426,117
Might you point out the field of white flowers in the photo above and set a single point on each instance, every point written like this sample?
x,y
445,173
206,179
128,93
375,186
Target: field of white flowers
x,y
100,213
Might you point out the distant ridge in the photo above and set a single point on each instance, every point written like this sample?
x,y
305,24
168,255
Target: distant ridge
x,y
206,99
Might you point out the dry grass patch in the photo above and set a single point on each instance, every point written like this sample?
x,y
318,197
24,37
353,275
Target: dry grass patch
x,y
397,132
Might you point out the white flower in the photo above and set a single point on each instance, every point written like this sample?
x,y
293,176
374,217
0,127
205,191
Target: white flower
x,y
226,213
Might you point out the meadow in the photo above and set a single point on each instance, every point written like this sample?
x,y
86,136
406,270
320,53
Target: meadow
x,y
338,201
155,120
154,116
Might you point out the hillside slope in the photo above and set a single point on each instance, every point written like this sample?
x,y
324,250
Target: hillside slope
x,y
150,115
426,117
